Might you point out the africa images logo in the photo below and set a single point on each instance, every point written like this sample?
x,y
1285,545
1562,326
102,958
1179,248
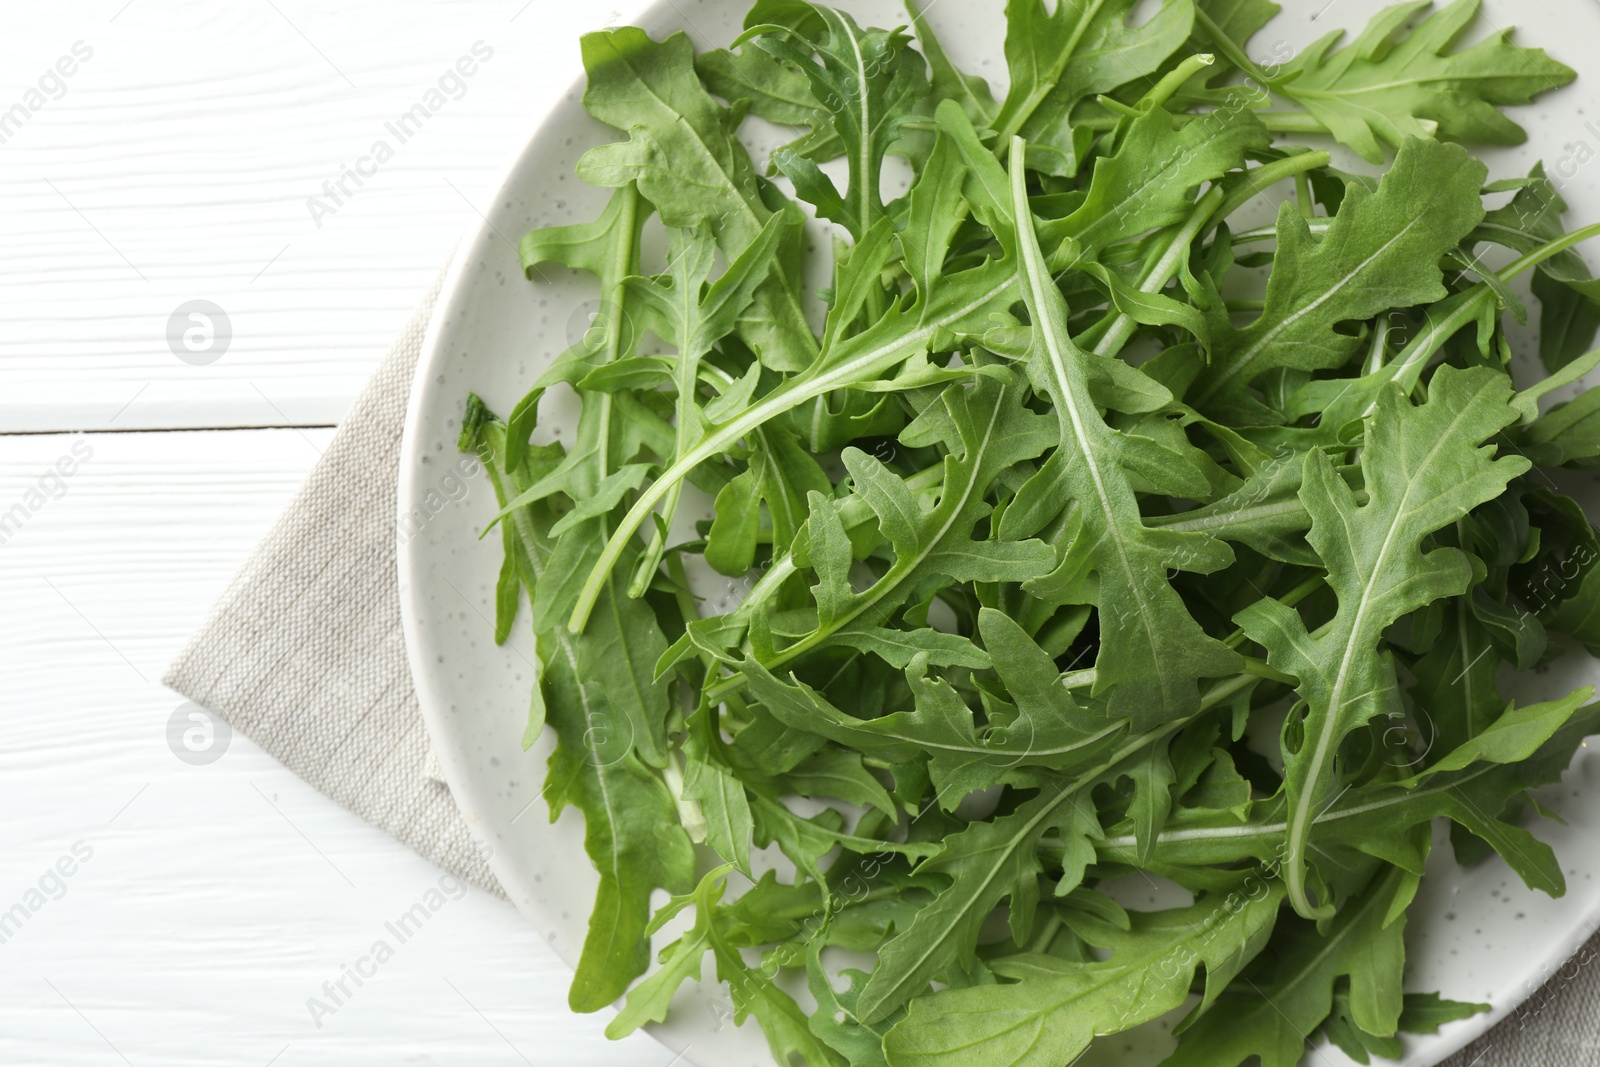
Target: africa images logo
x,y
451,85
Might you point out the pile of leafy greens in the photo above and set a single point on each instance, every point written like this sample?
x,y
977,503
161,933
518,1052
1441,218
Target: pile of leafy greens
x,y
1066,555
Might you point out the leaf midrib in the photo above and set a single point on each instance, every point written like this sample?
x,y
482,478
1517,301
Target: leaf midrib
x,y
1352,639
786,397
1033,271
905,567
1248,357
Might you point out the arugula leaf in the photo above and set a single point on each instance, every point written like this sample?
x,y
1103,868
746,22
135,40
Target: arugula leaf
x,y
836,1021
932,216
988,862
1569,298
1477,789
771,89
1391,82
1568,434
1381,251
1149,182
1055,1007
993,433
1455,687
753,992
1057,58
1460,92
1238,19
1424,468
685,159
942,726
781,474
632,833
1152,652
1282,1000
960,307
869,83
969,91
1568,321
694,315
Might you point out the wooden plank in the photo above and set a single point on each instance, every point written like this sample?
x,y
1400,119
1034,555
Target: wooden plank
x,y
216,899
180,159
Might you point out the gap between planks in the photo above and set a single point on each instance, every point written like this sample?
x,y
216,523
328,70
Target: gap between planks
x,y
173,429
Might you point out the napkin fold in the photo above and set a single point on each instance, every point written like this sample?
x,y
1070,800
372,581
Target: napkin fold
x,y
304,655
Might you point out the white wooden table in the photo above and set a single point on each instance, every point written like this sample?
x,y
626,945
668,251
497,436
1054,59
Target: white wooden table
x,y
175,163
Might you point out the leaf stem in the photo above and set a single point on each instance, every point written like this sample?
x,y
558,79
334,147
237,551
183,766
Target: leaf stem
x,y
1162,270
1176,78
1257,179
1318,225
1379,346
1302,194
1274,121
622,265
829,372
1258,668
1117,107
1416,356
1046,933
1229,48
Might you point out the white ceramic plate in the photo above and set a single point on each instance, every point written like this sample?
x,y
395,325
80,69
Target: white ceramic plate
x,y
1474,935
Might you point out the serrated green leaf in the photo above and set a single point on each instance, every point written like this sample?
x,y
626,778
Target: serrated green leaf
x,y
1152,652
1381,251
1391,83
684,156
1424,468
1058,57
1051,1014
1284,1000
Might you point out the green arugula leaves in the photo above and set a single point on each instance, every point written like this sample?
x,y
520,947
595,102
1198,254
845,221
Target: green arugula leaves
x,y
1151,651
1063,556
1424,468
1395,81
1047,1009
1380,252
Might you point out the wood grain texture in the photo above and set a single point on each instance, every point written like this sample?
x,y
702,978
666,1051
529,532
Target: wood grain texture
x,y
176,163
218,899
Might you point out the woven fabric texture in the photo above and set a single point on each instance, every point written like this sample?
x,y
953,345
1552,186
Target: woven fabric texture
x,y
304,652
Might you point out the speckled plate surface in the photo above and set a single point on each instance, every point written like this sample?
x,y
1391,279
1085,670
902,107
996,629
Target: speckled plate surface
x,y
1473,935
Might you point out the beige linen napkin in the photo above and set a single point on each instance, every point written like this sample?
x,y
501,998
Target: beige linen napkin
x,y
304,655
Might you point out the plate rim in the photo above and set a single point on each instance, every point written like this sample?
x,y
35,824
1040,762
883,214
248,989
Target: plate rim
x,y
431,353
